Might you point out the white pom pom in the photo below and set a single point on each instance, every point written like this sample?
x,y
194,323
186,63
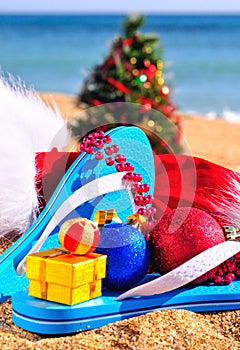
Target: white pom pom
x,y
227,201
27,126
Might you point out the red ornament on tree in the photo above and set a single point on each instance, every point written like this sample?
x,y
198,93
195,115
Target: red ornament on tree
x,y
118,85
164,91
151,71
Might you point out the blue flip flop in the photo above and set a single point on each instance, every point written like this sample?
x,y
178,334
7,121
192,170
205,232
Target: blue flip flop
x,y
86,175
45,317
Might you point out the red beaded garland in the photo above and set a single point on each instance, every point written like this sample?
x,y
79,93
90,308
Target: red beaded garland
x,y
150,211
107,139
139,188
120,167
137,177
146,187
99,155
128,176
138,200
89,149
227,271
99,134
82,147
218,279
129,167
88,140
133,188
237,257
116,148
99,143
120,158
109,150
85,139
229,278
145,201
142,211
109,161
151,198
91,137
98,139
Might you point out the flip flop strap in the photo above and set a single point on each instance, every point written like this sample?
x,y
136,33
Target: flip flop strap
x,y
187,272
98,187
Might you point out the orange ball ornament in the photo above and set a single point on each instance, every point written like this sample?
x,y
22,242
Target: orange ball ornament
x,y
80,236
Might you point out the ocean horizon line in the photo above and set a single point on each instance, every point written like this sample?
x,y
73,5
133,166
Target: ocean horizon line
x,y
104,13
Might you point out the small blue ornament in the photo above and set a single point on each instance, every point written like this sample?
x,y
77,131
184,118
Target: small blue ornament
x,y
128,255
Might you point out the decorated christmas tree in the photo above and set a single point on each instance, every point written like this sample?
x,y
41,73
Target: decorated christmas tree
x,y
133,73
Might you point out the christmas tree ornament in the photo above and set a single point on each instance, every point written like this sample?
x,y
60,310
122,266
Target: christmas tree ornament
x,y
79,236
164,91
128,255
180,235
142,78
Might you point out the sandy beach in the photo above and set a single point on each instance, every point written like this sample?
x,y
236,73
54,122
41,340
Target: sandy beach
x,y
217,141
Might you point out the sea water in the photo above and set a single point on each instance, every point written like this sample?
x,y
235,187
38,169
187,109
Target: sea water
x,y
201,54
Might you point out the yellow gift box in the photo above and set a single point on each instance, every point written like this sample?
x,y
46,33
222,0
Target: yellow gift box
x,y
65,278
63,294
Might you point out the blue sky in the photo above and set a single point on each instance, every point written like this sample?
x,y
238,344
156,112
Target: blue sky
x,y
122,6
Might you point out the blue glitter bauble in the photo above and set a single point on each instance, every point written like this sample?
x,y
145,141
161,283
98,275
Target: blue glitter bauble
x,y
128,255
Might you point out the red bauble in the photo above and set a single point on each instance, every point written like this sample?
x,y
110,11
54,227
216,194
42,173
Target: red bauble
x,y
180,235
